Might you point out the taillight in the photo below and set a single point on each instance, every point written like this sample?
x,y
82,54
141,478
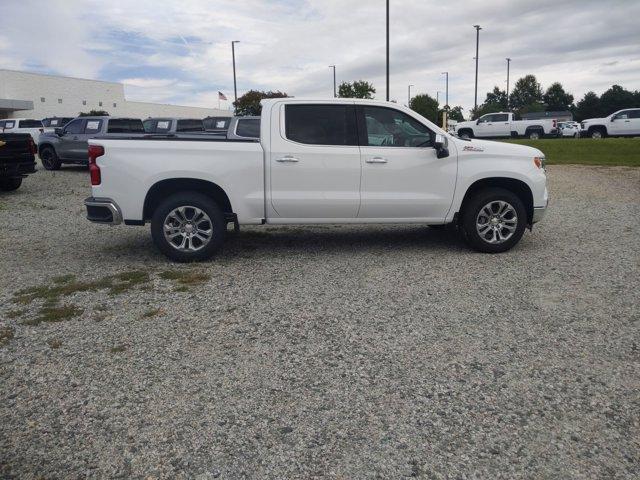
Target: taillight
x,y
95,151
555,123
32,145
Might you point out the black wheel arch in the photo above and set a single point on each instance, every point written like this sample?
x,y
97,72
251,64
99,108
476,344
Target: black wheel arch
x,y
518,187
532,128
602,128
164,188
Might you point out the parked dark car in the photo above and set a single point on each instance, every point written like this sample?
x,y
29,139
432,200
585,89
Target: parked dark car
x,y
17,159
217,124
170,126
70,143
55,122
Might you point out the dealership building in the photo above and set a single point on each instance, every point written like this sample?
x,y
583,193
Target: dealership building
x,y
33,95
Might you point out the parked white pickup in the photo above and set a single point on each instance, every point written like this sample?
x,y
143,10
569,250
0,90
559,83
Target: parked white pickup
x,y
23,125
336,161
504,124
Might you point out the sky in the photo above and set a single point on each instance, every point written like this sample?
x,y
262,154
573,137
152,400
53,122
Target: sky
x,y
179,51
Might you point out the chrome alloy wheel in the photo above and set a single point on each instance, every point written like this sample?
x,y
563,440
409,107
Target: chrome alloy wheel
x,y
187,229
496,222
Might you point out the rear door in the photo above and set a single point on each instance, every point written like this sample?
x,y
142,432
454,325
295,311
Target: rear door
x,y
314,162
402,177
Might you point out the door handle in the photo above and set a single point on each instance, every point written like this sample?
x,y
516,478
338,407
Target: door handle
x,y
376,160
287,159
626,121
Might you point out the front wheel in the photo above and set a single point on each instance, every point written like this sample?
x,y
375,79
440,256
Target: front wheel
x,y
597,133
493,220
49,158
188,227
10,184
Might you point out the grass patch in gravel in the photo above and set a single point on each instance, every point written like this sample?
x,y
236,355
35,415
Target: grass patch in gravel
x,y
54,343
55,314
118,349
152,312
16,313
67,285
185,278
6,335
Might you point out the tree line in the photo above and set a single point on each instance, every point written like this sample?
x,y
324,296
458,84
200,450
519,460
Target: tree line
x,y
527,96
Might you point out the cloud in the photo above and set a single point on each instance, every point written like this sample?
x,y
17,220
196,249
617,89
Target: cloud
x,y
180,51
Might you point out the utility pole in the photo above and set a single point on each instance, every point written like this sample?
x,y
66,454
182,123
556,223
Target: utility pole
x,y
387,50
508,62
409,96
475,101
334,80
233,56
446,102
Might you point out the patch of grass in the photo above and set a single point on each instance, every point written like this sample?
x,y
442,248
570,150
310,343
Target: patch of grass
x,y
152,312
54,343
185,277
118,349
587,151
16,313
64,278
55,314
67,285
6,335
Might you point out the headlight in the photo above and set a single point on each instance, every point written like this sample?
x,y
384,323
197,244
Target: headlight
x,y
540,162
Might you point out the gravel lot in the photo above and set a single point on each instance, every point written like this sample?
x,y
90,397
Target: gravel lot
x,y
340,352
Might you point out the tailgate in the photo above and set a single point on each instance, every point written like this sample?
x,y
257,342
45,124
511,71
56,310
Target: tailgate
x,y
16,148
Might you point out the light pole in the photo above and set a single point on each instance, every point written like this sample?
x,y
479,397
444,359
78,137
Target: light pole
x,y
334,80
508,62
446,102
387,50
409,96
475,101
233,56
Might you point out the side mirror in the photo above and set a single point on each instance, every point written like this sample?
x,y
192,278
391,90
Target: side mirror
x,y
59,131
478,122
440,144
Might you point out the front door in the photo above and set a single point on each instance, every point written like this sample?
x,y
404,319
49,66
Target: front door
x,y
314,163
69,145
402,177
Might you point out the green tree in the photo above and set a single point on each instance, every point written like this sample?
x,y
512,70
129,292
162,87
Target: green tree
x,y
556,98
94,113
456,114
357,89
497,96
588,107
616,98
527,91
425,105
249,103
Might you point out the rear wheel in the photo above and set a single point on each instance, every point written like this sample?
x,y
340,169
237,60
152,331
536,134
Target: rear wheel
x,y
535,135
10,184
49,158
188,227
493,220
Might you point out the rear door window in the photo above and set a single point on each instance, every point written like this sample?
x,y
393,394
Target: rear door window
x,y
29,124
189,125
125,125
249,128
317,124
93,126
500,117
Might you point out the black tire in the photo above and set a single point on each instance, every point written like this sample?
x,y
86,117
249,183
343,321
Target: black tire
x,y
597,132
49,158
189,200
10,184
466,134
471,212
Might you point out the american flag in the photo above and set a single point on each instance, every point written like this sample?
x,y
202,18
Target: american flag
x,y
221,96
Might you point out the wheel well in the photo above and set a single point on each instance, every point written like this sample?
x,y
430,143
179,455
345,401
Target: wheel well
x,y
164,188
518,187
534,127
602,128
467,130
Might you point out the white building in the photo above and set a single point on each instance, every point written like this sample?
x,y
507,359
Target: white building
x,y
32,95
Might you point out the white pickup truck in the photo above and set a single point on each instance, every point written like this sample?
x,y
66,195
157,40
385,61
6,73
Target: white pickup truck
x,y
334,161
504,124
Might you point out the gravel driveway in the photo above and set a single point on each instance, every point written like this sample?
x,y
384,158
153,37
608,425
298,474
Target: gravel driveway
x,y
339,352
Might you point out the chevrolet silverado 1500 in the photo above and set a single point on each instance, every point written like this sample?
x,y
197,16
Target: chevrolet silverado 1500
x,y
504,124
336,161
